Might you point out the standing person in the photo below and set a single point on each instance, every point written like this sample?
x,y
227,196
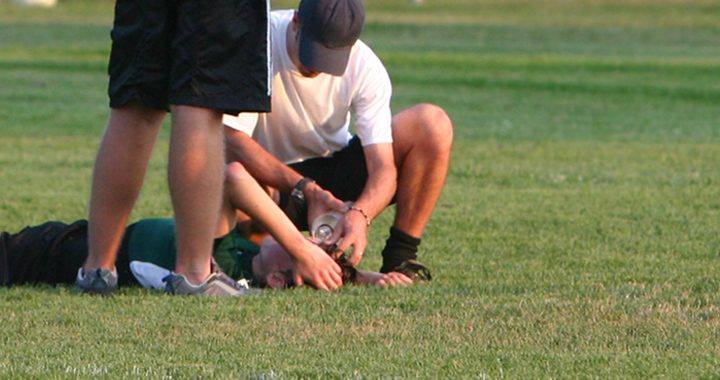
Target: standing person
x,y
322,74
178,55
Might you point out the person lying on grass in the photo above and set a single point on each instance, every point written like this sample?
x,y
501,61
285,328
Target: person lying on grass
x,y
50,253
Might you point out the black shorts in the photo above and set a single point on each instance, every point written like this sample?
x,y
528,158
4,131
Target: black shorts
x,y
344,174
51,253
205,53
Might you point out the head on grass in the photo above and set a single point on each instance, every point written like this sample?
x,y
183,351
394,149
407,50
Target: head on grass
x,y
273,267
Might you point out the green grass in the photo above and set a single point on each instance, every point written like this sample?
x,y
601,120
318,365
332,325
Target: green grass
x,y
577,236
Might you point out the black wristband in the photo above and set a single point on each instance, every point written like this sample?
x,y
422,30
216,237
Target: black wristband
x,y
297,191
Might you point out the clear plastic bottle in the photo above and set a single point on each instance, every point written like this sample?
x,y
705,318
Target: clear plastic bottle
x,y
324,225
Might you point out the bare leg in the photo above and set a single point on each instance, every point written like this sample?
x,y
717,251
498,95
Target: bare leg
x,y
423,137
195,176
117,178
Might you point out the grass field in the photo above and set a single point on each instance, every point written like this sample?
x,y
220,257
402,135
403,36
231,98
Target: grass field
x,y
577,236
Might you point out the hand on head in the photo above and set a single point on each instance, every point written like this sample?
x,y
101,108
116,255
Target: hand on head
x,y
277,269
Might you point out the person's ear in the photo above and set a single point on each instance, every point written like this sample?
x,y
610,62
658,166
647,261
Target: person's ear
x,y
275,280
296,21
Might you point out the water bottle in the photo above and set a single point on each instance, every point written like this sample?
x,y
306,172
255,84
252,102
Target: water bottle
x,y
324,225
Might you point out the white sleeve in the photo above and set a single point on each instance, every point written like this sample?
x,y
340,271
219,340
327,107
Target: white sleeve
x,y
371,103
244,122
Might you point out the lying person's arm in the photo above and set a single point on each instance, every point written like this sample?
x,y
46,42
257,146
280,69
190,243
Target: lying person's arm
x,y
312,264
382,279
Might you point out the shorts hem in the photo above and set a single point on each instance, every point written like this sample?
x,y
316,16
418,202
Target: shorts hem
x,y
224,105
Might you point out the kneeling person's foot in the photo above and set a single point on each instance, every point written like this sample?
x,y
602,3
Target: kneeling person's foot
x,y
97,281
217,284
399,248
413,269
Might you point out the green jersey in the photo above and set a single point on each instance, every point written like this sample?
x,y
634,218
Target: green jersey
x,y
153,241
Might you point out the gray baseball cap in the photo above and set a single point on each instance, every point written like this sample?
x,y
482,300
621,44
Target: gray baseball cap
x,y
328,30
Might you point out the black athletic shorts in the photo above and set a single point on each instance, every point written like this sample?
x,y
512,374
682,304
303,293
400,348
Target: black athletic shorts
x,y
344,174
51,253
205,53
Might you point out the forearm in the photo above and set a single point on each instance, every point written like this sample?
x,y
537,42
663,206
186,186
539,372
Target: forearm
x,y
262,165
377,193
381,183
365,277
246,195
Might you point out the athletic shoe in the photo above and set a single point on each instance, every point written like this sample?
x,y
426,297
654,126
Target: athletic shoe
x,y
97,281
217,284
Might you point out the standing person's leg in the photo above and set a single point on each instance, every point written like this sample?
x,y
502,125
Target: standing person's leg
x,y
195,175
219,64
422,140
117,179
138,99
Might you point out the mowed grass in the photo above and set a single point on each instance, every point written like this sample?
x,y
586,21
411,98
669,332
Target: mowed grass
x,y
577,236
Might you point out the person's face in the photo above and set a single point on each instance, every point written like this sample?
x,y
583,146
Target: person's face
x,y
293,39
275,264
306,72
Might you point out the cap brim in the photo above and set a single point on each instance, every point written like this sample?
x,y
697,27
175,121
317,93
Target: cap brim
x,y
318,57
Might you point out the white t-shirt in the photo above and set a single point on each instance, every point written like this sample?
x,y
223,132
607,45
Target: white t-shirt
x,y
311,116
